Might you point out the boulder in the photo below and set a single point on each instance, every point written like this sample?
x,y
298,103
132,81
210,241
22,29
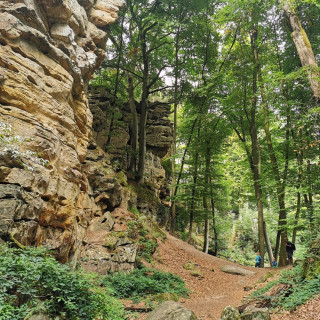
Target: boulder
x,y
236,270
230,313
170,310
253,313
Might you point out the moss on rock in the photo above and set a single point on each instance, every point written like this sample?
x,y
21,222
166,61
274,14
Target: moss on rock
x,y
311,267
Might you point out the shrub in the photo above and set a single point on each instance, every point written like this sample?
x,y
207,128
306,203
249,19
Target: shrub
x,y
299,292
144,282
142,235
31,279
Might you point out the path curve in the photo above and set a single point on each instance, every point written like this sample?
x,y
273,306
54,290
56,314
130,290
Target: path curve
x,y
216,289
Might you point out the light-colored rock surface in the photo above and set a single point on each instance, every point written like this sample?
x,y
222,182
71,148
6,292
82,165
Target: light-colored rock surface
x,y
49,49
230,313
236,270
252,313
170,310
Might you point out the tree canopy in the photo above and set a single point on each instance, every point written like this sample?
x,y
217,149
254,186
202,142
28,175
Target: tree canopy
x,y
244,84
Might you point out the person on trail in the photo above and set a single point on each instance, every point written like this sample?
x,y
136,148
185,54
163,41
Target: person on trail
x,y
274,263
258,260
290,247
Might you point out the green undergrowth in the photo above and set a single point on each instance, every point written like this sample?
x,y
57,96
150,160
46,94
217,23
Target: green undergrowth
x,y
143,283
245,257
33,282
144,232
298,292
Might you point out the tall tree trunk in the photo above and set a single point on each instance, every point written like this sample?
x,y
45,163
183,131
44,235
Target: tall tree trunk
x,y
134,125
280,184
144,109
193,195
181,169
205,200
299,157
214,227
255,165
304,48
309,197
174,133
206,227
268,244
118,62
296,218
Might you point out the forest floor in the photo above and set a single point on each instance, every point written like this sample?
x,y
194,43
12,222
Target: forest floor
x,y
214,289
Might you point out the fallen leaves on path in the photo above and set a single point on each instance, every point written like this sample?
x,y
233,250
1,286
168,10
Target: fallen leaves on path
x,y
308,311
211,289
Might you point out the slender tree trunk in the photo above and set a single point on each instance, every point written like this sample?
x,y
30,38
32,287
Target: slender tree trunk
x,y
280,185
144,110
255,150
174,133
280,189
142,141
193,195
214,228
296,218
181,169
118,63
299,157
206,226
304,48
309,197
134,125
268,244
205,200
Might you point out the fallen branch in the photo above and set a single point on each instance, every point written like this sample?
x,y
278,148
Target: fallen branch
x,y
21,246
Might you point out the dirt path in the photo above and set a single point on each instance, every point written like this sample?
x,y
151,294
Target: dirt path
x,y
215,289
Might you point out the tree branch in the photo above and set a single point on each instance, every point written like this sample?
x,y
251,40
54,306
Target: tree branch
x,y
161,89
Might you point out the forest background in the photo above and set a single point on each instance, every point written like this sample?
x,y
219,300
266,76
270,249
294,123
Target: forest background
x,y
243,81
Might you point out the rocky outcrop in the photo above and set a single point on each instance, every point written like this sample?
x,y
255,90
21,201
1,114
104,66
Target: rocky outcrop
x,y
111,125
49,49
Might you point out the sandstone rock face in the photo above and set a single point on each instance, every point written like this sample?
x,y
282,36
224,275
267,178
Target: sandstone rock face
x,y
49,49
111,125
170,310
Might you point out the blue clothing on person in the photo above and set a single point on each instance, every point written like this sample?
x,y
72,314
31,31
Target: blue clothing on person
x,y
274,263
258,260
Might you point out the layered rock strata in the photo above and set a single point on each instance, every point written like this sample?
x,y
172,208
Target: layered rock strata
x,y
111,131
49,49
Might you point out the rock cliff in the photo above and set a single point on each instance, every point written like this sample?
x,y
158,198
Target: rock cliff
x,y
111,132
48,51
61,185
